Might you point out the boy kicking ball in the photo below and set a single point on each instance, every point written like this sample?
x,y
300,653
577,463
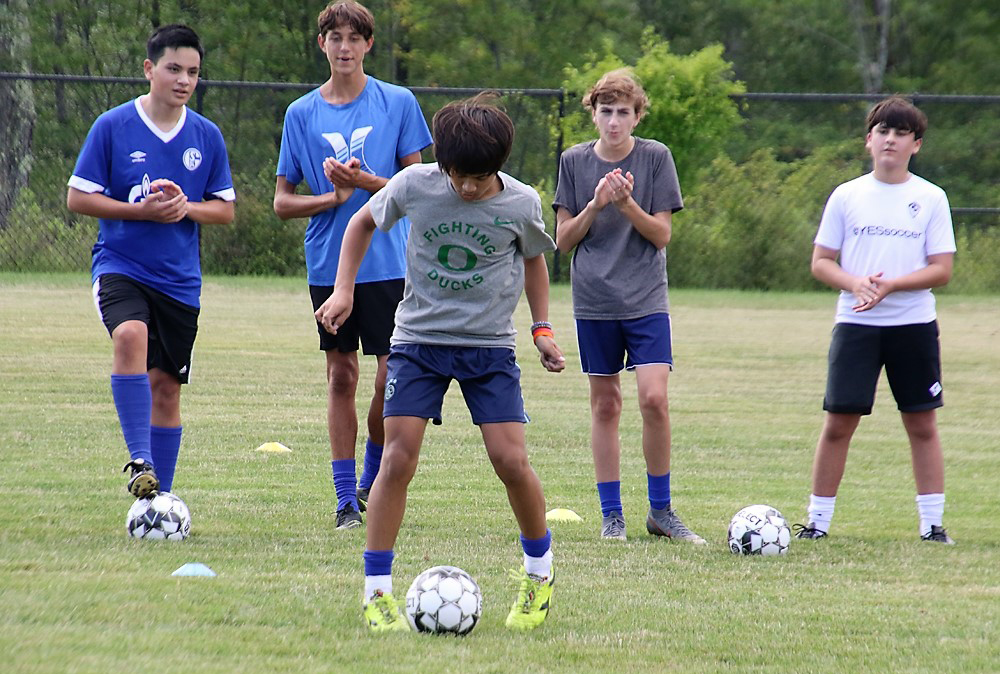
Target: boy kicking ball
x,y
476,240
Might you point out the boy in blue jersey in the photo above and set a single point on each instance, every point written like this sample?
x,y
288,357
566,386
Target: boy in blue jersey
x,y
345,139
477,239
614,203
153,171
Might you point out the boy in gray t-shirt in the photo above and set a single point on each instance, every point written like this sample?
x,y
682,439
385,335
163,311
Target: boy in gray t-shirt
x,y
614,203
476,240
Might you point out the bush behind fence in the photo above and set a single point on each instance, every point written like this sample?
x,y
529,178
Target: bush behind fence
x,y
748,222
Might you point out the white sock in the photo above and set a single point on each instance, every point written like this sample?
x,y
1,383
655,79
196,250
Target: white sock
x,y
821,511
374,584
539,566
930,507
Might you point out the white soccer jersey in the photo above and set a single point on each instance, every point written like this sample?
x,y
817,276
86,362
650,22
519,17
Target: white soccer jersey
x,y
888,228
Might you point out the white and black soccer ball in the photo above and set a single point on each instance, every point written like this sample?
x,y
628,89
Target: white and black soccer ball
x,y
759,530
160,516
444,600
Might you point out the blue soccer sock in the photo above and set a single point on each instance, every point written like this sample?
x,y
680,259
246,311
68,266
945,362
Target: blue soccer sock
x,y
610,494
659,491
373,458
134,403
538,554
165,446
378,571
345,482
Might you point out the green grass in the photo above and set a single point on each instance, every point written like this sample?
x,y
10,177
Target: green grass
x,y
77,596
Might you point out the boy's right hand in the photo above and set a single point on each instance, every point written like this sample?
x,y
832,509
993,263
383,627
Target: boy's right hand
x,y
335,310
551,355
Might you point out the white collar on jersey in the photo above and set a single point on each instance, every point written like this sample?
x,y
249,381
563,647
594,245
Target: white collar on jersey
x,y
165,136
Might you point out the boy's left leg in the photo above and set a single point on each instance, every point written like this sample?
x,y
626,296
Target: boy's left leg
x,y
165,428
505,446
928,473
375,443
654,407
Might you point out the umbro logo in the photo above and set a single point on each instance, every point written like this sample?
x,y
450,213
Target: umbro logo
x,y
138,157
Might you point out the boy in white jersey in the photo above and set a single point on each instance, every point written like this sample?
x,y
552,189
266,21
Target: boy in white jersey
x,y
892,233
344,140
153,172
476,239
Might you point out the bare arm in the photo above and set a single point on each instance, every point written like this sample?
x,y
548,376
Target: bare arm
x,y
212,212
357,237
872,289
288,204
349,174
157,207
536,289
570,229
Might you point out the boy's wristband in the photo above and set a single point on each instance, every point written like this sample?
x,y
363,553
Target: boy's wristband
x,y
541,329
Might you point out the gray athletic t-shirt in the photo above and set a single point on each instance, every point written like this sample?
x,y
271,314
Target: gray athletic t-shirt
x,y
617,274
464,259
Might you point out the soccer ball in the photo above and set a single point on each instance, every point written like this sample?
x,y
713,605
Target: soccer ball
x,y
159,516
759,530
444,600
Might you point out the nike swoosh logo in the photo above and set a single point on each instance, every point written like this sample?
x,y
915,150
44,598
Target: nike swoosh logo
x,y
498,221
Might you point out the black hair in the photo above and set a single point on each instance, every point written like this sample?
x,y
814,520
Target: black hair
x,y
472,137
172,36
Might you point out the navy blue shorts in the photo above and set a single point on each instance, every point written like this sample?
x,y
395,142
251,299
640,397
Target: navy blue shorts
x,y
371,321
171,325
419,375
911,355
637,341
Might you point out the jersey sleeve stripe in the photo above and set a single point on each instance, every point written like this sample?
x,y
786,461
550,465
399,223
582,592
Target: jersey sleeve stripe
x,y
84,185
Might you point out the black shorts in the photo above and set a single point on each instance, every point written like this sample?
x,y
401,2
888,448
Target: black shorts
x,y
371,321
911,355
172,325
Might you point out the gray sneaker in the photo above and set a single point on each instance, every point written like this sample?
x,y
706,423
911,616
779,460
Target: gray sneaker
x,y
665,522
613,526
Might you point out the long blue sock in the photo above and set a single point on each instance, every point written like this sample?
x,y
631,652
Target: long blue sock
x,y
373,458
610,494
659,490
345,482
165,446
134,402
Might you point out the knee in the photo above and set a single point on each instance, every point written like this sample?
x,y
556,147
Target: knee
x,y
343,380
653,404
130,337
398,464
166,394
511,467
606,407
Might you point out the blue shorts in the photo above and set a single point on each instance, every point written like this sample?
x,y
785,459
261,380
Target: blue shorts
x,y
639,341
419,375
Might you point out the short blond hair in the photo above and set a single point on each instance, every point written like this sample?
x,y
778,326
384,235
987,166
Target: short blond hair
x,y
617,85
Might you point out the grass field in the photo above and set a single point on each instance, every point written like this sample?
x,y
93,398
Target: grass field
x,y
77,596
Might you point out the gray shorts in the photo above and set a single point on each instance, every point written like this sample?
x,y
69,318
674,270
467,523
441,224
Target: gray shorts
x,y
911,355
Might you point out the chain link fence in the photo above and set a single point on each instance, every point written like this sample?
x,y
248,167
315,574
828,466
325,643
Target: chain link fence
x,y
38,233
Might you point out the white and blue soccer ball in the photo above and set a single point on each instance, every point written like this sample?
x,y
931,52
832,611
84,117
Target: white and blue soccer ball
x,y
759,530
160,516
444,600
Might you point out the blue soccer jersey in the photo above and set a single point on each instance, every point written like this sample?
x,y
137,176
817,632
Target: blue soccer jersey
x,y
125,152
381,125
